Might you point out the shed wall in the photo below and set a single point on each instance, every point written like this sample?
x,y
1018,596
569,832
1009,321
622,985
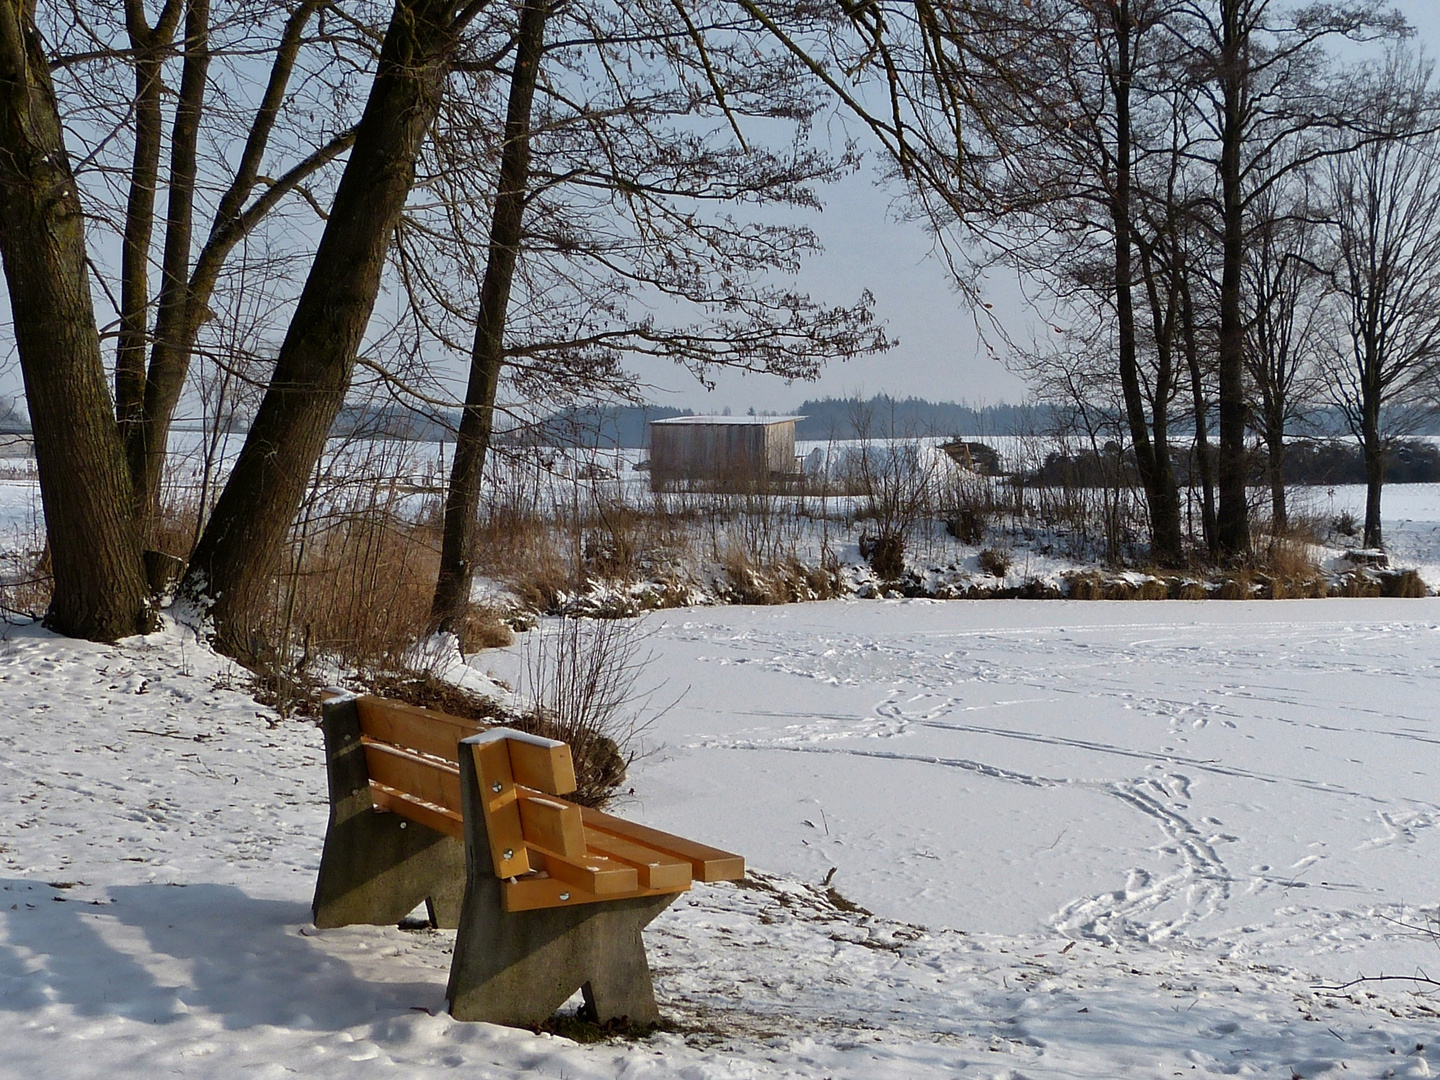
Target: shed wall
x,y
720,454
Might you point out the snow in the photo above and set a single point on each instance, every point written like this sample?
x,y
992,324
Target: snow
x,y
1098,839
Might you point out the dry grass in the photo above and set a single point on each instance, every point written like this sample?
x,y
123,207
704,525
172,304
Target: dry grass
x,y
1091,585
1189,589
1405,584
787,582
1356,583
486,628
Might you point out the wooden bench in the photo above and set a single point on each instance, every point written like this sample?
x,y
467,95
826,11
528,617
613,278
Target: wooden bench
x,y
547,897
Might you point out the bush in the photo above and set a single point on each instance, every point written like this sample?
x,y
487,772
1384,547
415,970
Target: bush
x,y
581,678
885,554
967,525
994,562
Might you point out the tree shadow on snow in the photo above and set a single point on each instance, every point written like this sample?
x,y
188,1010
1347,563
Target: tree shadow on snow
x,y
155,953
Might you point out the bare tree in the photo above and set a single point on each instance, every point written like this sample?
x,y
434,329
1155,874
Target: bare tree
x,y
100,589
1386,201
487,357
1285,292
1257,65
244,539
146,399
618,192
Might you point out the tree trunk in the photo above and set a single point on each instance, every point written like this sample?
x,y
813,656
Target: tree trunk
x,y
147,440
100,590
477,422
1373,448
1201,405
1275,467
1233,519
150,46
245,537
1157,473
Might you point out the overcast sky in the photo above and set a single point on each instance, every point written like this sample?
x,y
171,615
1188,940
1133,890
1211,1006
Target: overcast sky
x,y
940,355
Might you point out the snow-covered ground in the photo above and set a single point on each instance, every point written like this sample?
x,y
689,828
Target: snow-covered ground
x,y
1098,840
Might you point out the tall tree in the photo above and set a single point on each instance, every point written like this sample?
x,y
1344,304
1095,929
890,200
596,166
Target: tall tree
x,y
487,356
1284,295
100,589
1386,202
147,398
1270,113
639,166
243,541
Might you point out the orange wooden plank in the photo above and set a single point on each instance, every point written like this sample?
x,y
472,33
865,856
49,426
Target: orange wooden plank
x,y
706,863
553,825
407,806
426,778
538,891
590,873
422,730
502,814
547,768
656,869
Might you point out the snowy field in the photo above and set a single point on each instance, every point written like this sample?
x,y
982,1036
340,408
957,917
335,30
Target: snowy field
x,y
1097,840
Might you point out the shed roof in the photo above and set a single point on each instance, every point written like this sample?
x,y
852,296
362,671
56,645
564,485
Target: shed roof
x,y
761,420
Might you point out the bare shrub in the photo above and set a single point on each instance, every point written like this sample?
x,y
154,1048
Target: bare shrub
x,y
885,552
897,479
995,561
25,584
1344,524
967,524
581,676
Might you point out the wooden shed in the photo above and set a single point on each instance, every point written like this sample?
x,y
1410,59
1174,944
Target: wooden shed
x,y
726,453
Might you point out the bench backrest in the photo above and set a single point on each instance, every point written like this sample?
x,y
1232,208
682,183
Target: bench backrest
x,y
559,851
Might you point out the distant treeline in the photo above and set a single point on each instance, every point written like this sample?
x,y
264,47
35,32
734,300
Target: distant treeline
x,y
884,417
1321,463
880,417
825,418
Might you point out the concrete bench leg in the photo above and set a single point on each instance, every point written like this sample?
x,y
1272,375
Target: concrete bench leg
x,y
377,867
518,968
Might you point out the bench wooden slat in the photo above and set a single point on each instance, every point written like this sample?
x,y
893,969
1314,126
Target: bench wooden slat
x,y
538,891
656,869
555,826
499,800
706,863
407,806
427,732
403,770
550,769
590,872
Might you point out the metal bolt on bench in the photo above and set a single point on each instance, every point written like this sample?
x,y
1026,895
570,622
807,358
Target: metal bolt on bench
x,y
547,897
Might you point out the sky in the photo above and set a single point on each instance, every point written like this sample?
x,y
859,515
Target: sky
x,y
940,354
